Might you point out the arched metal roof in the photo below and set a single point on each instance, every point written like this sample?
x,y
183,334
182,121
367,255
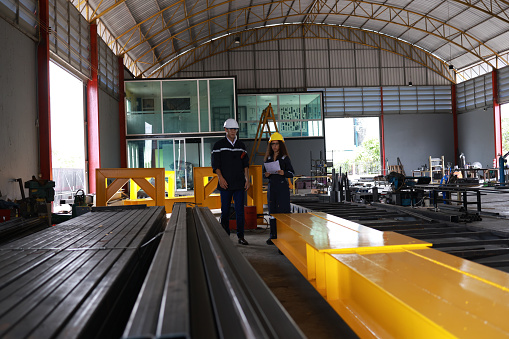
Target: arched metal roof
x,y
469,37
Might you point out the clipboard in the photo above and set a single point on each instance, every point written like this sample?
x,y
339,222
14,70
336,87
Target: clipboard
x,y
272,167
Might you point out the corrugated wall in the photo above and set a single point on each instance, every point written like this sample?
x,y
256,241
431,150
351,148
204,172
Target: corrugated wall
x,y
296,64
19,157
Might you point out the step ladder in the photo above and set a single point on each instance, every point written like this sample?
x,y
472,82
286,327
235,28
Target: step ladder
x,y
263,131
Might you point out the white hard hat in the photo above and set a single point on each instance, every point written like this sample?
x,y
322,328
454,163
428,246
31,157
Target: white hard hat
x,y
231,123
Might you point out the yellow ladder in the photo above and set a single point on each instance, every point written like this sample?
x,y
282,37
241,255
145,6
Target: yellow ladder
x,y
263,130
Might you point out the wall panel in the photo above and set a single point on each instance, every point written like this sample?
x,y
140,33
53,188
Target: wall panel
x,y
18,111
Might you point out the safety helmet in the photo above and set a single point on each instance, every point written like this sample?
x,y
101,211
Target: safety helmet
x,y
276,136
231,123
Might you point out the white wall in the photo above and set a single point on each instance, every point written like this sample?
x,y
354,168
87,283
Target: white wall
x,y
476,136
413,138
19,143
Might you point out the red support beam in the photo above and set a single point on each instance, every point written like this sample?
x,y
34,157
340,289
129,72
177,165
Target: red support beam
x,y
455,123
121,113
382,134
43,93
94,155
497,117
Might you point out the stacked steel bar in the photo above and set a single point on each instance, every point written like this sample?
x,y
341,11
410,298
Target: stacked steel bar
x,y
200,286
75,280
19,227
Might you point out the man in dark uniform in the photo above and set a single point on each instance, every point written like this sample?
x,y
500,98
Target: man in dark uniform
x,y
231,164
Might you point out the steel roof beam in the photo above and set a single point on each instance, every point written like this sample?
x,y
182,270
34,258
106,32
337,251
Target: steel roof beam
x,y
361,9
315,31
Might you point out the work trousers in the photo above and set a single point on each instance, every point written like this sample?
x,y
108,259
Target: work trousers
x,y
226,201
278,194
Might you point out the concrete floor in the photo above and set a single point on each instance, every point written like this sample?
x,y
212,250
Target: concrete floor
x,y
305,305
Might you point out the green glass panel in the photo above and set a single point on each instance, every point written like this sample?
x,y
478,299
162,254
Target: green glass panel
x,y
204,105
208,144
311,106
180,106
222,103
165,154
141,153
143,103
263,101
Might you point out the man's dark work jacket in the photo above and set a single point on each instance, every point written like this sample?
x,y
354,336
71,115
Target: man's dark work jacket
x,y
231,160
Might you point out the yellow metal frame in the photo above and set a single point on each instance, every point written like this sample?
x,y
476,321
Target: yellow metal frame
x,y
205,183
122,176
169,186
387,285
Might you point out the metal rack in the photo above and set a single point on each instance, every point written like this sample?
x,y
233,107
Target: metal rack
x,y
320,171
436,168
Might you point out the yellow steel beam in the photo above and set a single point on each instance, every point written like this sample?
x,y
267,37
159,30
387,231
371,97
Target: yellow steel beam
x,y
314,31
417,294
386,285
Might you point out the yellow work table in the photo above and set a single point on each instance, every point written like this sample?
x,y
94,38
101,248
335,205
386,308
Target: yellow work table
x,y
387,285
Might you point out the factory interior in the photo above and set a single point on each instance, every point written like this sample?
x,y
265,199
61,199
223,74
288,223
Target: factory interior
x,y
395,115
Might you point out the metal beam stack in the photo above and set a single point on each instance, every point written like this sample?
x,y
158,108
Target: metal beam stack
x,y
80,278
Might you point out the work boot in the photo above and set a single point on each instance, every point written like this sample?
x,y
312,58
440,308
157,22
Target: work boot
x,y
269,242
273,228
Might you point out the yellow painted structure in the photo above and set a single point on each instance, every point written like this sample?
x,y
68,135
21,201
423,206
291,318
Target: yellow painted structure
x,y
169,186
387,285
104,192
205,182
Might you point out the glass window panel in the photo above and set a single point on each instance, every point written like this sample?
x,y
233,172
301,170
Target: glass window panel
x,y
204,105
289,108
312,128
180,106
290,129
222,102
262,101
193,159
311,106
143,107
164,155
248,129
247,108
208,144
140,153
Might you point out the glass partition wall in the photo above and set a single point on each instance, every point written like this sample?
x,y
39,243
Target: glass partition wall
x,y
297,115
173,124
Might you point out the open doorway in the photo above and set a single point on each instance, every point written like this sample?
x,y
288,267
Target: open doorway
x,y
504,112
353,145
67,135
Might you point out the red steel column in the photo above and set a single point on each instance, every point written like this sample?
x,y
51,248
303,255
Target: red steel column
x,y
121,113
43,93
497,117
94,155
382,135
455,123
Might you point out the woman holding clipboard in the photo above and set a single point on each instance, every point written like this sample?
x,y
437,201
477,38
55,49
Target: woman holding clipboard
x,y
278,168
